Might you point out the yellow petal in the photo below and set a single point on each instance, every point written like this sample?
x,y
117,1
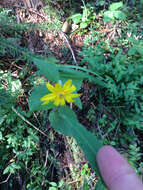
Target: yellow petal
x,y
58,86
75,95
62,101
46,102
48,97
44,98
70,96
57,101
70,90
50,87
69,99
67,84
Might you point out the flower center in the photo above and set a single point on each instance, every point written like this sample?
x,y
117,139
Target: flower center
x,y
61,95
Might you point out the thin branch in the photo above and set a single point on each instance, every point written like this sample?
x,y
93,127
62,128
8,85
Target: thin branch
x,y
75,181
5,181
47,153
37,119
69,46
45,163
29,123
116,131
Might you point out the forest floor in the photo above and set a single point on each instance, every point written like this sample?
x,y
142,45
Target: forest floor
x,y
65,47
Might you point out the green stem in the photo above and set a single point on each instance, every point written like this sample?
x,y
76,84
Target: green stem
x,y
80,68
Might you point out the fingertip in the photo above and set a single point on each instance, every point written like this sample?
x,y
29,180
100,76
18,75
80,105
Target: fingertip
x,y
104,151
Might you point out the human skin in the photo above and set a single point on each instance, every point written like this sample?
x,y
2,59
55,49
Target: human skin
x,y
116,172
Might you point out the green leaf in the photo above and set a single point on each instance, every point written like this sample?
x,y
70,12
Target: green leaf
x,y
0,135
52,59
83,24
77,102
85,14
61,183
76,18
108,16
85,74
132,51
101,3
53,184
73,72
53,188
16,86
11,168
47,68
119,15
98,81
76,76
115,6
34,101
64,121
8,169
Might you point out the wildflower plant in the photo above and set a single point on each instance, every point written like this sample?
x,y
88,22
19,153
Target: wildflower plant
x,y
56,95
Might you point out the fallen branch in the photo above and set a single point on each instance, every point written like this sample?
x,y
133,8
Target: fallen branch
x,y
26,121
69,46
5,181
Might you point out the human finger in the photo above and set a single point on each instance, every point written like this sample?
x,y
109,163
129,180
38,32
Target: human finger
x,y
116,172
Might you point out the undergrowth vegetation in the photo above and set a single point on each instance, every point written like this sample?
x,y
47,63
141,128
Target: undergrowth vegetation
x,y
51,146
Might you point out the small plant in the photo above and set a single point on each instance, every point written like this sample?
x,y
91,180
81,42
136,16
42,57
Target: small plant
x,y
84,19
134,156
55,186
18,141
114,13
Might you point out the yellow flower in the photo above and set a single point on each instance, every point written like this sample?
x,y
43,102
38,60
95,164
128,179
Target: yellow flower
x,y
60,94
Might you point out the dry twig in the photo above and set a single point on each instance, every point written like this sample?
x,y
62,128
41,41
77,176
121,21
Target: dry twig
x,y
69,46
5,181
